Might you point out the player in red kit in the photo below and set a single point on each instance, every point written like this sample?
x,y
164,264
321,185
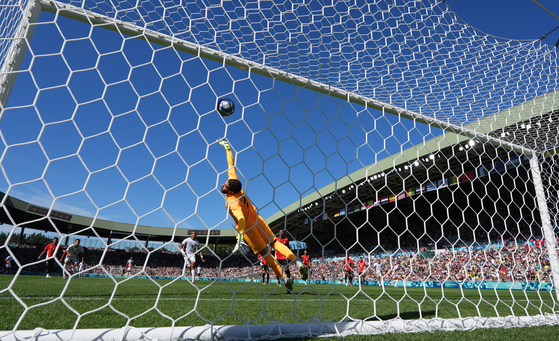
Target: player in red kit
x,y
265,270
361,266
307,261
49,249
282,260
348,270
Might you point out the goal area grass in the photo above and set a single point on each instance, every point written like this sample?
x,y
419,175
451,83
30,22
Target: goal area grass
x,y
109,303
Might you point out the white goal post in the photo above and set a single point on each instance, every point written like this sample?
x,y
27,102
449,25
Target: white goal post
x,y
369,89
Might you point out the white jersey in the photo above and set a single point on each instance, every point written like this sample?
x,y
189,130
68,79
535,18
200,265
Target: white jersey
x,y
81,266
73,251
191,247
129,263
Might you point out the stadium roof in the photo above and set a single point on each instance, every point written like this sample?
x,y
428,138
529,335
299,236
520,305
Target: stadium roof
x,y
521,128
531,124
40,218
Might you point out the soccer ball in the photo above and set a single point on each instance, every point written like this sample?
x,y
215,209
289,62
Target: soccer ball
x,y
225,107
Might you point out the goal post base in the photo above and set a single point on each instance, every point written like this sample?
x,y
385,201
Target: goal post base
x,y
275,330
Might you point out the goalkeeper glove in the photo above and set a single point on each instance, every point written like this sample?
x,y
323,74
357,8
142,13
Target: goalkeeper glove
x,y
223,142
241,246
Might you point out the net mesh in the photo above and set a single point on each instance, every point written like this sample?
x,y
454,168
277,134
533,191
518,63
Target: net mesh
x,y
386,130
418,56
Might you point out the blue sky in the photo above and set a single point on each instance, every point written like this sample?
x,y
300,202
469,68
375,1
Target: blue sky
x,y
513,19
121,129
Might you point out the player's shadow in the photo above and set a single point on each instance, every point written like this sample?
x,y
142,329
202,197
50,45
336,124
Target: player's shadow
x,y
412,315
409,315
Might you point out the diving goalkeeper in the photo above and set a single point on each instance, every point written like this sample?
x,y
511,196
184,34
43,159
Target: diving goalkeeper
x,y
252,228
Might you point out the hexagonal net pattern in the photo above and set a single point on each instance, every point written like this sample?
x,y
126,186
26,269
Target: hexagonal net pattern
x,y
409,155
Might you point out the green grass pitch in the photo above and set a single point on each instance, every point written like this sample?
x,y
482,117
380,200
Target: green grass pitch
x,y
106,303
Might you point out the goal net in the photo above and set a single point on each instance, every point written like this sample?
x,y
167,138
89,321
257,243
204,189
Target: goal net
x,y
386,132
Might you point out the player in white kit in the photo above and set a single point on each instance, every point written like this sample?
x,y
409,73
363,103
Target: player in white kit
x,y
9,262
190,247
129,264
378,270
81,268
72,253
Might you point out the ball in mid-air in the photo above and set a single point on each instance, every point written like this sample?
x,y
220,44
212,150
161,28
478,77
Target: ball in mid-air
x,y
225,107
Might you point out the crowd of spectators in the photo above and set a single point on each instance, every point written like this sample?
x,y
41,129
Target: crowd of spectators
x,y
464,246
511,260
496,241
114,262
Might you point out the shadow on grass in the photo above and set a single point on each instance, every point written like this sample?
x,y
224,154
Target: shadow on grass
x,y
410,315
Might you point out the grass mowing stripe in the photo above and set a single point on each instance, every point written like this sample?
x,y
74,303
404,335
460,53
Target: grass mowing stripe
x,y
135,303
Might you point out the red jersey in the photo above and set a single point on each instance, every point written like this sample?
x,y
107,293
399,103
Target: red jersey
x,y
348,264
306,260
284,241
262,259
50,249
361,266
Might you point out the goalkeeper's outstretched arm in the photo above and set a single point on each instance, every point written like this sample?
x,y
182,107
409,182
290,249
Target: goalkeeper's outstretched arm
x,y
231,187
232,173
